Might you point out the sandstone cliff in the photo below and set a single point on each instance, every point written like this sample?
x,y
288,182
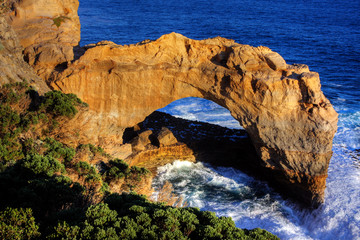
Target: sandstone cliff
x,y
289,120
47,31
281,106
12,66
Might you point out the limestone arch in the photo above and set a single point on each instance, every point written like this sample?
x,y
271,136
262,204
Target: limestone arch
x,y
281,106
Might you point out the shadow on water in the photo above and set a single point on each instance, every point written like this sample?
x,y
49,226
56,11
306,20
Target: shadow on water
x,y
355,155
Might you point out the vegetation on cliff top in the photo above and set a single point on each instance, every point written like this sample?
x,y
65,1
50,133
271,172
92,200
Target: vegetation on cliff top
x,y
52,191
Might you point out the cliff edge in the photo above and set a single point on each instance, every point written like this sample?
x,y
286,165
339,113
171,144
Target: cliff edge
x,y
289,120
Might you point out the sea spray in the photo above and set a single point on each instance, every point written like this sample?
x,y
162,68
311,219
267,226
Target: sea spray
x,y
229,192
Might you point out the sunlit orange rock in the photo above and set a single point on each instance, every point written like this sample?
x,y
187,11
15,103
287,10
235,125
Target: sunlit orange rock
x,y
281,106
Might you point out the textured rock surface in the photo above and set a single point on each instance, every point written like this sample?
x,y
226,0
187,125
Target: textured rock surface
x,y
12,66
194,141
140,142
281,106
166,137
47,30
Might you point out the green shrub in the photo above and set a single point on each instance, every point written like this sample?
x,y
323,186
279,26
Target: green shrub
x,y
94,149
105,189
60,104
118,169
9,121
28,119
10,151
46,165
142,218
65,231
12,92
90,173
10,128
137,173
18,224
59,20
84,168
12,97
57,150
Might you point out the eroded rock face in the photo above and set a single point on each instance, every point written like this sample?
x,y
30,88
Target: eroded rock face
x,y
281,106
47,30
12,66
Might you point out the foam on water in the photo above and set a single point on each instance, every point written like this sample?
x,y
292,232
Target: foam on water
x,y
323,34
230,192
251,203
201,110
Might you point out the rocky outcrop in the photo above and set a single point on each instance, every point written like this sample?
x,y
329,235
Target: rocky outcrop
x,y
12,66
281,106
47,30
166,137
179,139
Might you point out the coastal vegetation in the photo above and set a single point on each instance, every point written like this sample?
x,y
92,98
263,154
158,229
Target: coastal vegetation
x,y
59,20
50,190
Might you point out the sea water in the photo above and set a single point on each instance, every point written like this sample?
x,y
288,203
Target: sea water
x,y
324,34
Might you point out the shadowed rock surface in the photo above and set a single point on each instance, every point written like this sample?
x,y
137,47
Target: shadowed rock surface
x,y
191,141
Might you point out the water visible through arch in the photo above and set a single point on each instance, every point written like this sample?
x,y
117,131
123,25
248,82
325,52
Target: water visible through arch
x,y
224,190
203,110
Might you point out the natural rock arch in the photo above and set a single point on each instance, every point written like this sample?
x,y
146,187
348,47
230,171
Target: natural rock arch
x,y
281,106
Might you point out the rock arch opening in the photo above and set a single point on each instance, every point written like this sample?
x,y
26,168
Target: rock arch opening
x,y
203,110
192,129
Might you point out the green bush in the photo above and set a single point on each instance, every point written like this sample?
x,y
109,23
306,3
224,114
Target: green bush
x,y
18,224
11,93
90,173
46,165
144,219
57,150
10,151
94,149
12,97
9,122
119,169
138,172
65,231
57,21
60,104
84,168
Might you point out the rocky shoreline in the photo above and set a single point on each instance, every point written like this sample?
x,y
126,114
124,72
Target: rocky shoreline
x,y
290,123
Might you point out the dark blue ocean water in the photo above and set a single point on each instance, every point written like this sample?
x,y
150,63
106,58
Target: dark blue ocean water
x,y
323,34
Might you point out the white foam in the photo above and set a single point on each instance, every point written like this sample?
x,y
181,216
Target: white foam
x,y
197,109
251,203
